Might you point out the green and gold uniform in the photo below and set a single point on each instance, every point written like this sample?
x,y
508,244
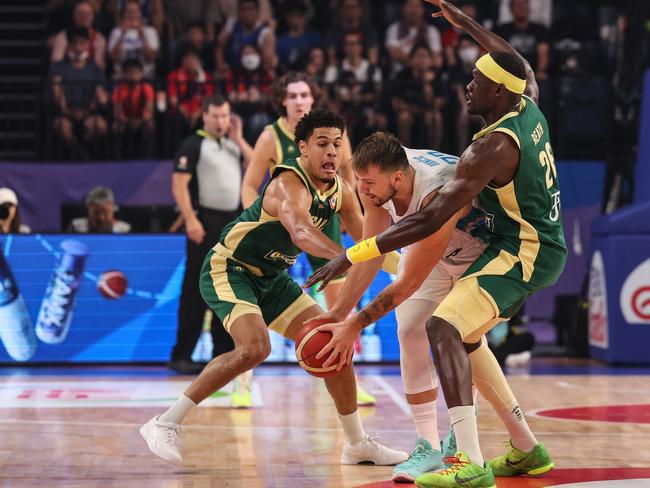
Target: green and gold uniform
x,y
287,148
246,272
526,250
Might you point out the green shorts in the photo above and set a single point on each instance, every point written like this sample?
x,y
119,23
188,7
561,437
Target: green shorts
x,y
333,231
231,291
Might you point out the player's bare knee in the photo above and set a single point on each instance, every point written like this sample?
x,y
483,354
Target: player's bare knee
x,y
254,352
440,331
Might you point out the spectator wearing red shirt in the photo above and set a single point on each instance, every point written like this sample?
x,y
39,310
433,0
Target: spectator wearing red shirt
x,y
187,86
133,100
248,90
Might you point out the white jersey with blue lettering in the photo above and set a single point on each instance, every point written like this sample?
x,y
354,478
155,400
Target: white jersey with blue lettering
x,y
433,170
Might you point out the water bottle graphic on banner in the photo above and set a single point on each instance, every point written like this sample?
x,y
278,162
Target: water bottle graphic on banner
x,y
55,315
16,330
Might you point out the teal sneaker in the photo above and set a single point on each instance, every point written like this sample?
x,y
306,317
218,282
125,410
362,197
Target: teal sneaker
x,y
516,462
461,473
448,444
422,460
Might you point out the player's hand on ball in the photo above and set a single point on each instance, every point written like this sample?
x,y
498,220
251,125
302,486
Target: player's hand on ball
x,y
341,346
336,267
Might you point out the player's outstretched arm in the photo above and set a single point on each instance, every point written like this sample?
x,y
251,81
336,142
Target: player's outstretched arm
x,y
488,39
288,199
479,165
263,154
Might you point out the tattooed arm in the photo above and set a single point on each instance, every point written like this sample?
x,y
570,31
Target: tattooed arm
x,y
420,260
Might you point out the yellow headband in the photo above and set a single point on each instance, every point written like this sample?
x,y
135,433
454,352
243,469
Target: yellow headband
x,y
496,73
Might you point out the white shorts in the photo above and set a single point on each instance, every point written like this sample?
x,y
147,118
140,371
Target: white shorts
x,y
461,252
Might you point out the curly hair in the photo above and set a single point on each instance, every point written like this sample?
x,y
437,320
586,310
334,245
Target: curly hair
x,y
279,90
319,118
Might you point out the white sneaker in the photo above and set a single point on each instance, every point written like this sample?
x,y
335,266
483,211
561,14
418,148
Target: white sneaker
x,y
163,439
369,451
518,360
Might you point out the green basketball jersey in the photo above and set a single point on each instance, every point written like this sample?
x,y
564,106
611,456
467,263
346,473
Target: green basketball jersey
x,y
285,144
523,217
260,242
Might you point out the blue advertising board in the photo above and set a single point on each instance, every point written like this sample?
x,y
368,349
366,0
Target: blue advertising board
x,y
106,298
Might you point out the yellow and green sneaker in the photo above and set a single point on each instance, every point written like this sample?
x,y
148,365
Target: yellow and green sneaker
x,y
242,395
364,399
461,473
516,462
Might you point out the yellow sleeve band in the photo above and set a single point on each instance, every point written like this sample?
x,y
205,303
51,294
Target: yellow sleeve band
x,y
489,67
391,262
363,251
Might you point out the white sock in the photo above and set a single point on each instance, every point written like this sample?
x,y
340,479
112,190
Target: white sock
x,y
352,427
463,420
178,410
425,418
520,435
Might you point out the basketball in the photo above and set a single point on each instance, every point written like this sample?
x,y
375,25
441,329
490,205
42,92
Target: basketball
x,y
112,284
309,343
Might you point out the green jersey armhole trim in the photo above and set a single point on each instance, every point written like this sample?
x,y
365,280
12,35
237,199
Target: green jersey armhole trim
x,y
510,133
486,130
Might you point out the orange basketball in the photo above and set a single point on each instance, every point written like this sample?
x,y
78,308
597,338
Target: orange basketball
x,y
112,284
309,343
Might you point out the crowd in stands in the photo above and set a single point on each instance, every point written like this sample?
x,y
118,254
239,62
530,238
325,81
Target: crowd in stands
x,y
135,71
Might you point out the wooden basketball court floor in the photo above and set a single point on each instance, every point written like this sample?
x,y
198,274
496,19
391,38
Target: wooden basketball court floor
x,y
78,427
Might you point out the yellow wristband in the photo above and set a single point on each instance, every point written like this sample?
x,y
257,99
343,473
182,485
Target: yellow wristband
x,y
363,251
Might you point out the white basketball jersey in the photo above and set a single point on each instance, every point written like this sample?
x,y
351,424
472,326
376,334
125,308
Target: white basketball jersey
x,y
432,170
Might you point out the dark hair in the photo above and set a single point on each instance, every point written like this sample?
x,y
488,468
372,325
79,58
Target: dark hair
x,y
240,3
217,100
279,89
419,45
131,63
295,7
381,149
510,62
73,33
190,50
193,24
316,119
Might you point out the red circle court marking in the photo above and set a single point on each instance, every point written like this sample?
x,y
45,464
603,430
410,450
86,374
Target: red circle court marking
x,y
554,478
635,305
636,414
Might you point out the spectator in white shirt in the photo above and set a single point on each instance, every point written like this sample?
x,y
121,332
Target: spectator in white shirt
x,y
134,39
412,29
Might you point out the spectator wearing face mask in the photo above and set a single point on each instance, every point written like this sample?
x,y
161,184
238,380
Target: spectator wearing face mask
x,y
246,28
100,204
10,214
451,34
83,15
248,91
466,53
